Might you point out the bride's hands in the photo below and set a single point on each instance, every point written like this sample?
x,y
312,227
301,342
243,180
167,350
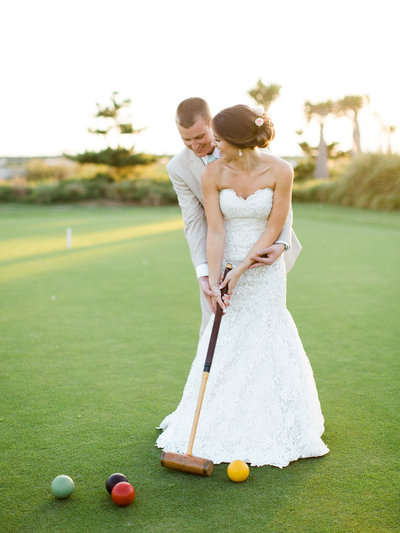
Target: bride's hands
x,y
231,280
218,299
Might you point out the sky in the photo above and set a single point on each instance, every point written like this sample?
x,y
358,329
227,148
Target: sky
x,y
58,58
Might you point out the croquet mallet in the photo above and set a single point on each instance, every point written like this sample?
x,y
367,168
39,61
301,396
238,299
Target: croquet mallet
x,y
187,462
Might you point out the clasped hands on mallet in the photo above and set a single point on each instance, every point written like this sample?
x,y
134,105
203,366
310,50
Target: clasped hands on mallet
x,y
264,257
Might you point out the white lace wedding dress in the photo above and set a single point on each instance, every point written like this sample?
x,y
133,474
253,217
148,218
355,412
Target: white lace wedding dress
x,y
261,404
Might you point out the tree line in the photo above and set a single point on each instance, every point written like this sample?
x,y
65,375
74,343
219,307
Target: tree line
x,y
114,122
348,106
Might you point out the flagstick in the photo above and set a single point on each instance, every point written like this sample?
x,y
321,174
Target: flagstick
x,y
69,237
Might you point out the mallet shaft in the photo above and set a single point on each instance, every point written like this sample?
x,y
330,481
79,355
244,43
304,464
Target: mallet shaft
x,y
197,413
207,365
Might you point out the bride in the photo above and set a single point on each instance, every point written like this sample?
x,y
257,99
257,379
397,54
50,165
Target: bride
x,y
261,404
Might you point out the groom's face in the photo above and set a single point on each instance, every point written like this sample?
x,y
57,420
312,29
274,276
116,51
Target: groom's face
x,y
198,138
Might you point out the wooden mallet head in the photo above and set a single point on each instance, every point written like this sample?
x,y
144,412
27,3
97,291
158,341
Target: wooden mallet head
x,y
187,463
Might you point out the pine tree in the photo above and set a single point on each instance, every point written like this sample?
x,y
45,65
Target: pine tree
x,y
112,124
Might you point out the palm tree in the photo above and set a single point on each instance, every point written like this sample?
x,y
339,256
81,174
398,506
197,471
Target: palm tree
x,y
350,106
264,94
320,112
390,130
386,131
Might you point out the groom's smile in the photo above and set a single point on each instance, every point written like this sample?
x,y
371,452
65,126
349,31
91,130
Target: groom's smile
x,y
198,138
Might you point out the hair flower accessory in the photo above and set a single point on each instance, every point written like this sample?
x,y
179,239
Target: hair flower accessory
x,y
259,122
259,110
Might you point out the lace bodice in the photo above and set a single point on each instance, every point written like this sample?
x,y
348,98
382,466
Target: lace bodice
x,y
245,221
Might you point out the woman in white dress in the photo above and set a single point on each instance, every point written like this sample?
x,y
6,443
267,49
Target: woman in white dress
x,y
261,404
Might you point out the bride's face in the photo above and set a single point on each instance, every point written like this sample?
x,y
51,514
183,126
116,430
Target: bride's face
x,y
224,147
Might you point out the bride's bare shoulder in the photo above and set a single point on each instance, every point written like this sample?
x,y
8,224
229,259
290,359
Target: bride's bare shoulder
x,y
277,162
279,166
212,172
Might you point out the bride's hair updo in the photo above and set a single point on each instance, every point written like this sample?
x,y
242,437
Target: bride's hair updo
x,y
237,125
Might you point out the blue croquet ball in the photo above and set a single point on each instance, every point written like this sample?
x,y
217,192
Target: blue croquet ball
x,y
113,480
62,487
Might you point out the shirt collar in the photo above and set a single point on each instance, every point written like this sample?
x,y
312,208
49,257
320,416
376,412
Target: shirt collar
x,y
216,153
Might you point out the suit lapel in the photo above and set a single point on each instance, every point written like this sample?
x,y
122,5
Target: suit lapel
x,y
196,166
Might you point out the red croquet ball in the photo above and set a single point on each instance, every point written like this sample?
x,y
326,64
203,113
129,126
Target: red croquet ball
x,y
123,494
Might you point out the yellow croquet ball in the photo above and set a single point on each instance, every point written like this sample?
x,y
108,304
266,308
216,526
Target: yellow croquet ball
x,y
238,471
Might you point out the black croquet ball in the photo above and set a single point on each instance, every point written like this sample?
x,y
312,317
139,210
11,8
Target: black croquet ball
x,y
113,480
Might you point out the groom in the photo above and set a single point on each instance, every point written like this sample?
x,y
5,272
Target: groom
x,y
193,120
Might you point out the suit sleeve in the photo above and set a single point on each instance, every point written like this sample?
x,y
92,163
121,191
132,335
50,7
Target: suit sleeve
x,y
193,217
286,233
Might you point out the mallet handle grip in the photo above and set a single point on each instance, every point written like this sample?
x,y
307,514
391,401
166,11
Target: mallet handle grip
x,y
216,325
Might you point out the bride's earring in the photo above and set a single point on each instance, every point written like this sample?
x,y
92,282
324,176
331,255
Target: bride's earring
x,y
240,153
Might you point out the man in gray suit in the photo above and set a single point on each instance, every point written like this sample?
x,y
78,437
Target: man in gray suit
x,y
193,120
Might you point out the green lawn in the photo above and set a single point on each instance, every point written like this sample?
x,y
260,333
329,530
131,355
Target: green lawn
x,y
96,343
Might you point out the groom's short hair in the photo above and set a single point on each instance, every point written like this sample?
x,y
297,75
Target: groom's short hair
x,y
192,109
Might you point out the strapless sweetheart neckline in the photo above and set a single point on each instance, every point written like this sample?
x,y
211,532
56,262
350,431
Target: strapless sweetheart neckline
x,y
250,195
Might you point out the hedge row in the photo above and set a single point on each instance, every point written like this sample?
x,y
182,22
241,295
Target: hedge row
x,y
370,181
138,192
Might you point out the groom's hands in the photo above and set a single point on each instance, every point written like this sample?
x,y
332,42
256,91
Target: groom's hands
x,y
208,293
268,256
213,296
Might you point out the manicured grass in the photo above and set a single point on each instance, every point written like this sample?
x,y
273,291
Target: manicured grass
x,y
97,341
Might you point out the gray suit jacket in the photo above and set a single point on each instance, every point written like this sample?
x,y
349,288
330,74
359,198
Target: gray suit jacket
x,y
185,174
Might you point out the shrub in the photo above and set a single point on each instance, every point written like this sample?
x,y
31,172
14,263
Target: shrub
x,y
45,170
142,192
304,170
73,191
44,193
21,190
370,181
6,193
